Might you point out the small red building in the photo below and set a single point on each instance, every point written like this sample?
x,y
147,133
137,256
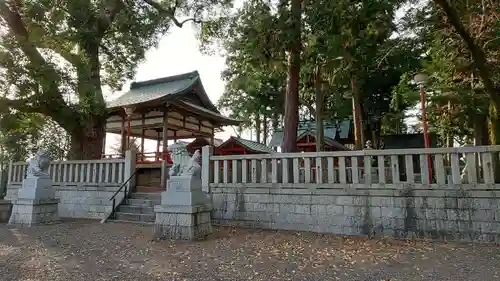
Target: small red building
x,y
306,142
238,146
199,143
338,135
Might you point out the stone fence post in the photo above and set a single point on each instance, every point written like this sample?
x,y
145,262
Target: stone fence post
x,y
130,160
206,152
3,188
164,174
9,173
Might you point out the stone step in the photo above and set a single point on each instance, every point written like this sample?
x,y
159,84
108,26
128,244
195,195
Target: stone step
x,y
149,182
132,222
148,189
131,209
143,202
145,195
135,217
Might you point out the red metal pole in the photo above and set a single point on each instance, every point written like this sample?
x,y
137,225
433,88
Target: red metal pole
x,y
427,142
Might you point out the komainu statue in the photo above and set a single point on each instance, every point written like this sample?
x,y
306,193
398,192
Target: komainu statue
x,y
183,164
193,167
38,166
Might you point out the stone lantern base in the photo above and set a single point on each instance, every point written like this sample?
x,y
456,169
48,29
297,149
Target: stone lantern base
x,y
184,212
182,222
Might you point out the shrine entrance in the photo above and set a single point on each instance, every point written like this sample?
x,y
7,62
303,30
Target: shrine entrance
x,y
164,110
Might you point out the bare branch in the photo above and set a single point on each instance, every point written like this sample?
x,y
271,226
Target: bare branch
x,y
171,13
490,41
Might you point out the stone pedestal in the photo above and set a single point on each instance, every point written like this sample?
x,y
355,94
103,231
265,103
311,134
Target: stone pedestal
x,y
35,203
184,212
5,209
37,188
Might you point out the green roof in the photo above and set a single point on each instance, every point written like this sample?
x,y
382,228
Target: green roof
x,y
250,145
330,131
176,90
151,90
328,141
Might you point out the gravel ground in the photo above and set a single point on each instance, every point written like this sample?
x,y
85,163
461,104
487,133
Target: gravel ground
x,y
87,250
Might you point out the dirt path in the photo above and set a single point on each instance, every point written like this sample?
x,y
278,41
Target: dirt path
x,y
89,251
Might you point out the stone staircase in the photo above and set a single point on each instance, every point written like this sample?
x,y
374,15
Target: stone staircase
x,y
138,208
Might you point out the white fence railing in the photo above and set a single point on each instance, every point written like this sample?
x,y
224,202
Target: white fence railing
x,y
84,171
464,165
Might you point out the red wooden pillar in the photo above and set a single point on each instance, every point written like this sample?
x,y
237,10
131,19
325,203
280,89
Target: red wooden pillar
x,y
157,154
143,134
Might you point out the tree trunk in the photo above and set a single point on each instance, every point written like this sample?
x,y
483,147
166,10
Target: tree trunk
x,y
367,131
265,129
376,133
275,122
356,112
239,131
86,142
495,137
293,72
320,133
481,64
258,127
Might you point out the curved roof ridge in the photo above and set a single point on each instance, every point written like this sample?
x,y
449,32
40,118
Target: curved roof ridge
x,y
188,75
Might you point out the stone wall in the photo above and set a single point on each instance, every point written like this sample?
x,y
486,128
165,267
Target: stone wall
x,y
89,201
460,212
5,209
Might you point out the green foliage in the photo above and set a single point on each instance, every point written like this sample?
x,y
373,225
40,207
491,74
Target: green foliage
x,y
456,93
57,55
19,133
255,69
23,134
342,38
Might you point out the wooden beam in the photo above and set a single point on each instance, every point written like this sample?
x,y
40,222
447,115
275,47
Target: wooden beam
x,y
143,133
158,140
165,131
137,117
212,139
103,145
123,137
191,136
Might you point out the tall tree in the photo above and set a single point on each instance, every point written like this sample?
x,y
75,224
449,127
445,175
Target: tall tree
x,y
256,38
294,47
54,47
478,46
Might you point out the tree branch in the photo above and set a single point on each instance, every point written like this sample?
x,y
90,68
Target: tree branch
x,y
19,104
309,107
107,16
477,53
17,27
50,101
73,59
171,12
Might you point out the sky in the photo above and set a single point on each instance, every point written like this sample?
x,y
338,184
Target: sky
x,y
178,53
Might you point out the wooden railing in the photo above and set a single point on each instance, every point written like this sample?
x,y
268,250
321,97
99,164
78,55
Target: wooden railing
x,y
88,171
464,165
153,157
144,158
